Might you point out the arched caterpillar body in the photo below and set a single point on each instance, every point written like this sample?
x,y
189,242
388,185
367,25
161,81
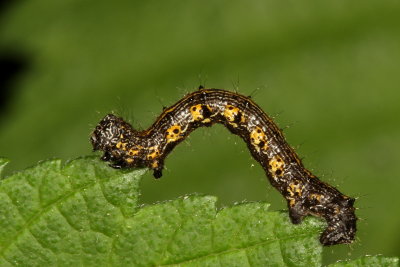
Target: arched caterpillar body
x,y
306,195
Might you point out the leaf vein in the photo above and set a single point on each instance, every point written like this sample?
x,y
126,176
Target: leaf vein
x,y
43,211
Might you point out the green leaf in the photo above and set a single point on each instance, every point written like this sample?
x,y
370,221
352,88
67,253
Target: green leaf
x,y
86,213
369,261
189,231
52,214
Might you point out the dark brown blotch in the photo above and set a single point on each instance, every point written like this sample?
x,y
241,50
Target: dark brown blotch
x,y
261,144
238,118
206,111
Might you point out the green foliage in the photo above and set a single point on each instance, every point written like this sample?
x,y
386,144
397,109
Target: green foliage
x,y
368,261
64,214
85,213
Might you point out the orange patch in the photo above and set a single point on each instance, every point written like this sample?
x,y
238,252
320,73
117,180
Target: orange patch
x,y
174,133
196,112
259,139
277,165
153,154
121,145
133,152
129,160
294,189
230,112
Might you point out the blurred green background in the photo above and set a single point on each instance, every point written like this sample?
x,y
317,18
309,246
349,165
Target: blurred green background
x,y
327,71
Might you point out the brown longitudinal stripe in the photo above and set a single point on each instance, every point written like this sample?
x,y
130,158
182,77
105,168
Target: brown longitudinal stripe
x,y
124,147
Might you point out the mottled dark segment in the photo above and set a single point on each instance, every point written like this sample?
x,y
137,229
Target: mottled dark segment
x,y
306,195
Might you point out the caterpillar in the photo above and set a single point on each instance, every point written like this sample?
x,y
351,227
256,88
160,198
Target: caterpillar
x,y
125,147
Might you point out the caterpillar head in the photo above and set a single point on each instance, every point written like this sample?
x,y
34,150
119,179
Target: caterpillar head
x,y
125,147
108,132
114,136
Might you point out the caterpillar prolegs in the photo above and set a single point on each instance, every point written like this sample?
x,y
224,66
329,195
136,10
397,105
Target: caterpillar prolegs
x,y
125,147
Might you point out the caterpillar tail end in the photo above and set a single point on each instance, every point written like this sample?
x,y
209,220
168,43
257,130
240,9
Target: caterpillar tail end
x,y
341,225
339,215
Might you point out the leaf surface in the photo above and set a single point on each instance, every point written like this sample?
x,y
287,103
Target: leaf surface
x,y
369,261
85,213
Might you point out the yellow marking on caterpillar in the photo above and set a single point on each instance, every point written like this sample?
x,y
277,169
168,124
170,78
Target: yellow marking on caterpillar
x,y
316,196
295,189
133,152
153,155
121,145
259,139
277,165
129,160
230,112
196,112
173,133
336,210
154,164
